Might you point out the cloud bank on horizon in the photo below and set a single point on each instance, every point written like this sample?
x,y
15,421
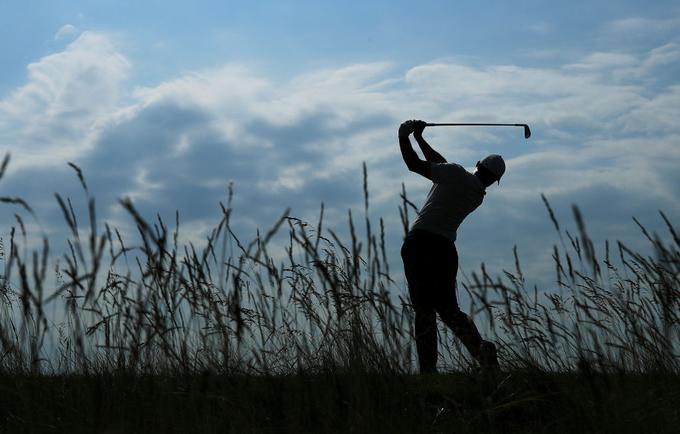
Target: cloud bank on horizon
x,y
606,137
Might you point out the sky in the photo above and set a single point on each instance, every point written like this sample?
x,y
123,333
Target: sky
x,y
169,102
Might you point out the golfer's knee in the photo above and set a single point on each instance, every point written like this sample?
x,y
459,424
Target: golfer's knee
x,y
454,316
451,311
425,315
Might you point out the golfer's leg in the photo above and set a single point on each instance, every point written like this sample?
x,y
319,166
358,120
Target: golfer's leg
x,y
426,339
414,253
447,306
462,326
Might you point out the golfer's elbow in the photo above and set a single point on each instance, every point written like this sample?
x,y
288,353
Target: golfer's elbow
x,y
420,167
410,158
413,165
407,153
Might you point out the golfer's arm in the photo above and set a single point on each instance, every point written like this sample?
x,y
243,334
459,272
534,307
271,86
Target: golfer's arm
x,y
413,162
430,154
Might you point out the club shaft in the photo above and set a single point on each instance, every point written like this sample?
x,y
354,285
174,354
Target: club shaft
x,y
527,131
474,124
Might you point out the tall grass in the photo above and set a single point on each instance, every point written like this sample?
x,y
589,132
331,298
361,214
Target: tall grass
x,y
320,304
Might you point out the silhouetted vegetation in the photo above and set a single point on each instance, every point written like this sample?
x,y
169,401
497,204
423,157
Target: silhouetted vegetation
x,y
152,335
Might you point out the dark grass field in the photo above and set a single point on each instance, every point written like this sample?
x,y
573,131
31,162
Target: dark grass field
x,y
522,402
138,333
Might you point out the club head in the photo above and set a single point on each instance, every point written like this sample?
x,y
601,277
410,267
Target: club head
x,y
527,131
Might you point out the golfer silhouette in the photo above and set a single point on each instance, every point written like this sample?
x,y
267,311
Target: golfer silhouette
x,y
429,250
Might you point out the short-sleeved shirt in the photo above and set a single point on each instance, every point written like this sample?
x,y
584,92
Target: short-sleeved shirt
x,y
455,193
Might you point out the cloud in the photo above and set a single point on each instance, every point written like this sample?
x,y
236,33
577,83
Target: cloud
x,y
638,34
605,132
54,115
600,61
65,31
636,25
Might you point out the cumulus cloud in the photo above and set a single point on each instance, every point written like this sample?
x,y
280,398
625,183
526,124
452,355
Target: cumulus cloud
x,y
56,114
65,31
603,128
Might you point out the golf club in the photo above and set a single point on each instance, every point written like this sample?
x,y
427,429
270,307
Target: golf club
x,y
527,131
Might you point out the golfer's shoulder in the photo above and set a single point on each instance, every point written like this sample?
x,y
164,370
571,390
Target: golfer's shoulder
x,y
449,170
448,166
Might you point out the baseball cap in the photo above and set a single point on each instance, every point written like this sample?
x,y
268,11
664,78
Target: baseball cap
x,y
494,163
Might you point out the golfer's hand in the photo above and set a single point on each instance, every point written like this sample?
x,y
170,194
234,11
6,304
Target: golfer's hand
x,y
418,127
406,128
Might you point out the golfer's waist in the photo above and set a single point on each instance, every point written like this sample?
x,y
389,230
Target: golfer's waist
x,y
425,233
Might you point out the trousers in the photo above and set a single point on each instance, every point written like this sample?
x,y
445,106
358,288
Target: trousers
x,y
431,266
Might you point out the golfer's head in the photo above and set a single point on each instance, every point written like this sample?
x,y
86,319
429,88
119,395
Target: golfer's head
x,y
491,169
